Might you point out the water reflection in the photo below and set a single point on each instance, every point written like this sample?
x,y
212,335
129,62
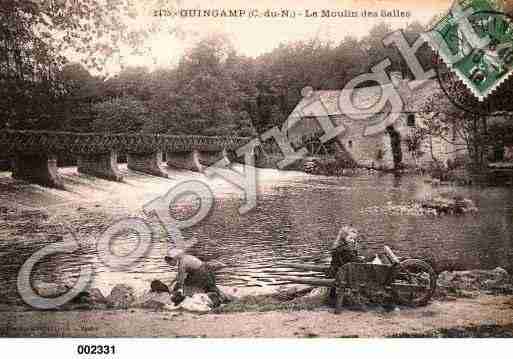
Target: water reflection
x,y
295,220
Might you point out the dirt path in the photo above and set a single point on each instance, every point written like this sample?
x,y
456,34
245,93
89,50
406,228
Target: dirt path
x,y
483,310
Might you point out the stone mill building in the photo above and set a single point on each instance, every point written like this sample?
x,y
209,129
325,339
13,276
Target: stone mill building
x,y
377,150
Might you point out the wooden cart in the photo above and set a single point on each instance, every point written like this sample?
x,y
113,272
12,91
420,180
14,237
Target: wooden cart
x,y
411,281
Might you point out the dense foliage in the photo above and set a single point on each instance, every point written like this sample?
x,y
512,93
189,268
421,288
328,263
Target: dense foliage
x,y
34,37
212,91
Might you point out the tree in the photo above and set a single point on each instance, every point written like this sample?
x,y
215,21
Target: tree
x,y
82,91
119,115
458,127
376,50
34,35
413,141
210,92
131,81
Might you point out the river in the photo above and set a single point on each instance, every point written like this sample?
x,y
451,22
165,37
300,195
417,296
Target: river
x,y
296,218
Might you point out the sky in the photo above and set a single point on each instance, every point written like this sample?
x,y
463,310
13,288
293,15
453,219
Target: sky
x,y
253,37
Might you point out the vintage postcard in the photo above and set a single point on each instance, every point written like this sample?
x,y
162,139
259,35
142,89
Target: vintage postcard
x,y
268,169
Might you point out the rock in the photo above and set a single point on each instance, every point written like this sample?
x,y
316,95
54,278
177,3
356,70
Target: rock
x,y
413,209
501,282
474,280
452,205
91,296
121,297
153,300
289,293
89,299
50,290
462,280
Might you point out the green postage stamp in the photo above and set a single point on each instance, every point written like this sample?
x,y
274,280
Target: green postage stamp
x,y
475,40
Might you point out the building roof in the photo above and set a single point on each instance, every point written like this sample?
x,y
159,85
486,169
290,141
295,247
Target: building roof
x,y
362,98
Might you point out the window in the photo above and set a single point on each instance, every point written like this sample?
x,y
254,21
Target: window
x,y
411,120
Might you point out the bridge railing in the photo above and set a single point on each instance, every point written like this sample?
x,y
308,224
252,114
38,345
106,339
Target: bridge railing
x,y
12,141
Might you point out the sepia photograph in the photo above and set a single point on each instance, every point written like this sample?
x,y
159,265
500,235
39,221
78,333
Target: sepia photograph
x,y
330,169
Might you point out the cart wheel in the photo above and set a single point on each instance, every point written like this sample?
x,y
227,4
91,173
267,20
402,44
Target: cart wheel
x,y
414,283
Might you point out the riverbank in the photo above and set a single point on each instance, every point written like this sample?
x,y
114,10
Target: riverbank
x,y
438,317
294,221
466,304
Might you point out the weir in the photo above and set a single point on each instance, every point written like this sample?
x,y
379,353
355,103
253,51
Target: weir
x,y
36,153
195,160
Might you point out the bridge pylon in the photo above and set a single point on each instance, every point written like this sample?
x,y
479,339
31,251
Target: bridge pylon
x,y
37,168
101,165
150,163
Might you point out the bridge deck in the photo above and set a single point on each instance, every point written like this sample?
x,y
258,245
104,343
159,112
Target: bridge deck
x,y
34,142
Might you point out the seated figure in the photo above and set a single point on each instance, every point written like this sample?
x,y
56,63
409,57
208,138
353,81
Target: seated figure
x,y
344,249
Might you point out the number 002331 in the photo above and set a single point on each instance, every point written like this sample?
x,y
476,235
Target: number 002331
x,y
96,349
